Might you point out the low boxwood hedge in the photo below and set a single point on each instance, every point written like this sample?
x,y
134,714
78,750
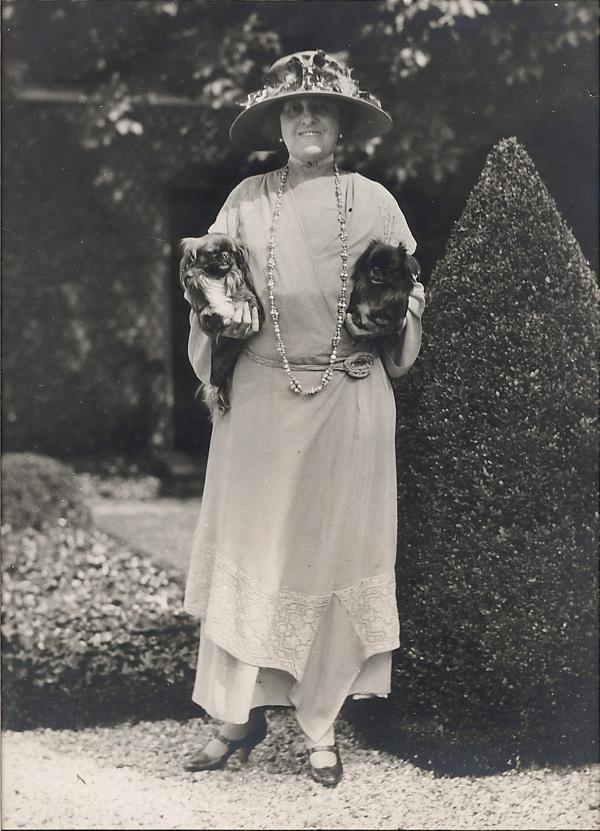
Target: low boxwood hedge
x,y
37,490
497,464
91,631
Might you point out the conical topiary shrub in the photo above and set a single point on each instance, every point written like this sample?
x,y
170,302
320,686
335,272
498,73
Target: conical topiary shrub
x,y
497,473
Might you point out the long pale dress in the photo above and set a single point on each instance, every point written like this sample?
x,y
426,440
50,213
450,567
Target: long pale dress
x,y
292,566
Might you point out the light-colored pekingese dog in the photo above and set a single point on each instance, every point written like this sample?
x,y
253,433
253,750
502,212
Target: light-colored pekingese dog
x,y
214,273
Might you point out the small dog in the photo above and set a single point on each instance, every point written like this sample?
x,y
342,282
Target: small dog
x,y
382,281
214,272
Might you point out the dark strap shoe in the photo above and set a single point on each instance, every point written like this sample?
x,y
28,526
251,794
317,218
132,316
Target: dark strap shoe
x,y
245,746
328,776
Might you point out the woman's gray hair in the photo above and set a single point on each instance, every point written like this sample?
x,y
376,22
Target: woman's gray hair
x,y
271,128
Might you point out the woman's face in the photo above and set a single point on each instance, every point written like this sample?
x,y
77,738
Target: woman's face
x,y
310,127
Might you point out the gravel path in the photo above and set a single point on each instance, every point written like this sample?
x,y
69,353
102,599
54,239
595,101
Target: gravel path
x,y
130,777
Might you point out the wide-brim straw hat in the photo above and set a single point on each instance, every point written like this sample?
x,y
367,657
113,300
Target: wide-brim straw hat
x,y
309,73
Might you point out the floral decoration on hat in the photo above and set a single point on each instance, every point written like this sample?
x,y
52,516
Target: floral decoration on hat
x,y
310,72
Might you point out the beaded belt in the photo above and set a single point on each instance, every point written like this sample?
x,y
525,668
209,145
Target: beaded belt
x,y
357,365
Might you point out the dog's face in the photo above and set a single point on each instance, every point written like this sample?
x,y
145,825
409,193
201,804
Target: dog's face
x,y
383,278
390,266
214,274
214,254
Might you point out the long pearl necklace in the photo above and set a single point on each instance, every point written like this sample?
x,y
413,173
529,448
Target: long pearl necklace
x,y
295,385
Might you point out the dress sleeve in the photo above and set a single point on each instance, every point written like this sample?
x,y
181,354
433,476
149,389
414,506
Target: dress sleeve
x,y
200,345
400,351
227,220
395,226
199,350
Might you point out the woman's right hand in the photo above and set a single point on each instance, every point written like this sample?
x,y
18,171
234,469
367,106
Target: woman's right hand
x,y
244,322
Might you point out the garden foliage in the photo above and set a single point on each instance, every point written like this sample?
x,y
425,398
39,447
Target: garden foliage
x,y
497,472
37,490
122,109
91,631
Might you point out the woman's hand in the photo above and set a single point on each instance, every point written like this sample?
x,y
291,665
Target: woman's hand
x,y
243,323
358,333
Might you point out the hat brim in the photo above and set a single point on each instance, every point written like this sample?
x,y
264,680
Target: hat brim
x,y
363,120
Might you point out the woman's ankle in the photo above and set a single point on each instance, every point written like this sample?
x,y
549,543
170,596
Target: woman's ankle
x,y
326,740
232,730
322,758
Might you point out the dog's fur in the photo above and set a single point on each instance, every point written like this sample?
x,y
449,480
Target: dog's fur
x,y
214,273
382,281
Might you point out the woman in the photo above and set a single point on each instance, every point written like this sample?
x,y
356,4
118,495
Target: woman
x,y
292,569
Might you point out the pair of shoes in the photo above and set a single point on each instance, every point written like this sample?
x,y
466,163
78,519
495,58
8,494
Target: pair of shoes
x,y
328,776
245,746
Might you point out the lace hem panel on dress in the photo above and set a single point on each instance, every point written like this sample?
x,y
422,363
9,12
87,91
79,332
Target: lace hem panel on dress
x,y
276,628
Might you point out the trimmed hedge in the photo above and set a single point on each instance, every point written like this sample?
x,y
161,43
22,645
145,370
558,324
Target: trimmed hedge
x,y
497,476
37,490
91,632
85,331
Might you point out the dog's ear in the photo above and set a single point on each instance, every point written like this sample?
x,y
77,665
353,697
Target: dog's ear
x,y
361,267
413,267
240,255
187,250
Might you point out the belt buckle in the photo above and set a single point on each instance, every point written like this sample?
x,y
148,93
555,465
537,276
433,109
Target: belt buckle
x,y
359,365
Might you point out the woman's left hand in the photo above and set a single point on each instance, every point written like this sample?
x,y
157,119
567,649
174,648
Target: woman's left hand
x,y
360,333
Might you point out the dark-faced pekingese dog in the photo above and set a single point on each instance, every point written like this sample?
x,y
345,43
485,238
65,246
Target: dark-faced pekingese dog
x,y
214,273
382,281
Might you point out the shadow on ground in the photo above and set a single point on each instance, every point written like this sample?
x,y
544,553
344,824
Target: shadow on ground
x,y
467,750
